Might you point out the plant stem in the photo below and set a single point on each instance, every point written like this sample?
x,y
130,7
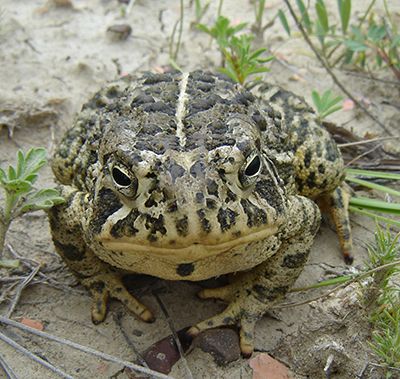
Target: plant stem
x,y
329,70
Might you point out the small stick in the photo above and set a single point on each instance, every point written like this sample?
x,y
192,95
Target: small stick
x,y
7,369
174,334
366,141
85,349
20,288
330,72
363,155
34,357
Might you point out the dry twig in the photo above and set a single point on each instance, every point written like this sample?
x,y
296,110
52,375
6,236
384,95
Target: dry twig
x,y
174,334
34,357
85,349
7,369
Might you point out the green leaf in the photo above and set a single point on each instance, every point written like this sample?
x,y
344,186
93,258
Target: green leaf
x,y
330,111
355,46
344,11
316,100
3,176
284,21
9,263
18,186
305,18
42,199
35,159
376,33
322,15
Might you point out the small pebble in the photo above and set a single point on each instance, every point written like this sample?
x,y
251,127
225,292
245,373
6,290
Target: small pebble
x,y
119,32
222,344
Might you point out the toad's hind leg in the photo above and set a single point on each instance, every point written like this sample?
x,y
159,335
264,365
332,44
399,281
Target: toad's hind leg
x,y
336,205
102,280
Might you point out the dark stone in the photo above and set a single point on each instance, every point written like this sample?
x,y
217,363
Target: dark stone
x,y
222,344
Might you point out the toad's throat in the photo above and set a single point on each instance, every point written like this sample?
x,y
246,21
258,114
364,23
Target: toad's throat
x,y
174,253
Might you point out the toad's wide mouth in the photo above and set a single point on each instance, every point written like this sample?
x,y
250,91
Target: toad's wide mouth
x,y
194,251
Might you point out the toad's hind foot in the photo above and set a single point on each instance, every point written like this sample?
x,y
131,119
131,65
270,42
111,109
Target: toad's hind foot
x,y
336,205
104,286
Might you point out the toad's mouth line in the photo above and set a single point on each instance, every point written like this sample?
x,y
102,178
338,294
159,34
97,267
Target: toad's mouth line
x,y
191,252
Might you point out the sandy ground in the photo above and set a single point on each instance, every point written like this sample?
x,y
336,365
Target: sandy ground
x,y
52,58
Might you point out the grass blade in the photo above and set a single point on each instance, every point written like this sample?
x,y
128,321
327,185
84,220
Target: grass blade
x,y
344,11
374,186
284,21
375,205
375,216
373,174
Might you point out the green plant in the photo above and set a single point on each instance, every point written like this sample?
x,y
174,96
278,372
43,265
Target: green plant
x,y
366,44
382,299
374,207
326,104
239,60
20,196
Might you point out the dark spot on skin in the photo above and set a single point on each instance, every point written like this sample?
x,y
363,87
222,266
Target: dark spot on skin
x,y
182,226
270,192
204,222
151,238
294,260
210,323
107,204
142,99
321,168
212,187
226,218
159,106
244,98
307,158
255,216
156,78
155,225
311,180
197,170
228,320
259,120
185,269
150,203
265,294
211,204
70,252
172,207
176,171
125,226
230,196
331,151
199,197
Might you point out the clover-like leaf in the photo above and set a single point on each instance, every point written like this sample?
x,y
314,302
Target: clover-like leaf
x,y
42,199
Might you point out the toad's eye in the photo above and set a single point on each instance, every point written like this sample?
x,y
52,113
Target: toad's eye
x,y
250,170
253,167
121,179
124,181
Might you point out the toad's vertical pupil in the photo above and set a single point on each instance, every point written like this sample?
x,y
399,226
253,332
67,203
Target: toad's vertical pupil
x,y
120,177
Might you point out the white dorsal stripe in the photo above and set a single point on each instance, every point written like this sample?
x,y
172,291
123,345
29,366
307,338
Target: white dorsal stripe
x,y
181,109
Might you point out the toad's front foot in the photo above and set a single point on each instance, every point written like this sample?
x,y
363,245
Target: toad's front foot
x,y
232,315
106,285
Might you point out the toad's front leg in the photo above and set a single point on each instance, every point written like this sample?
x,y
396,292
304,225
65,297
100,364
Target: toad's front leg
x,y
253,292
